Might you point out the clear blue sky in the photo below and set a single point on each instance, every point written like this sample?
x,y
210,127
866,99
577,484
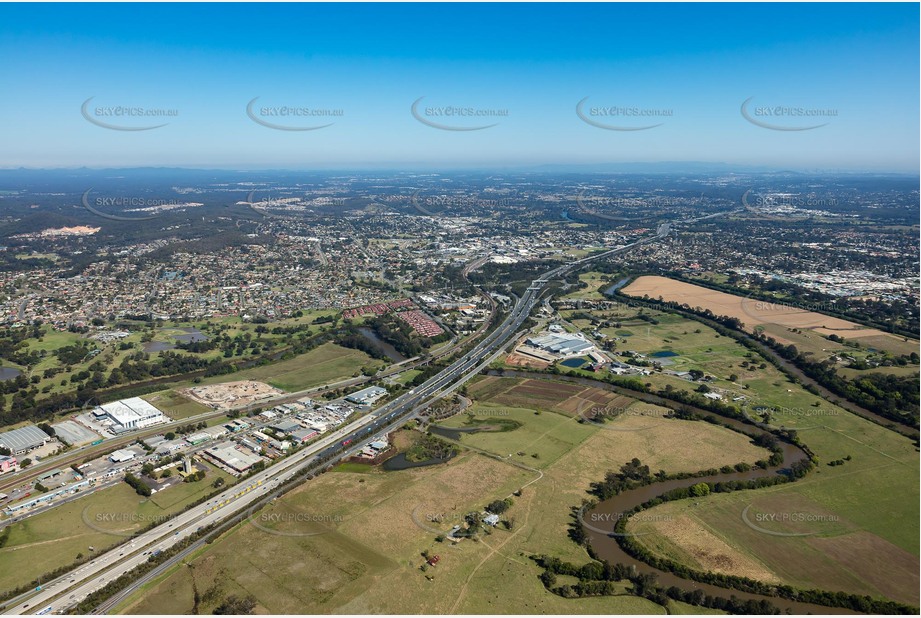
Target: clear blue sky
x,y
537,61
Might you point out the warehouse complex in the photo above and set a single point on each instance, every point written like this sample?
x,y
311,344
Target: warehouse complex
x,y
129,415
561,344
24,439
231,456
367,396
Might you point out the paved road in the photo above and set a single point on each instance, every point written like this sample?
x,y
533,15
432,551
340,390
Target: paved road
x,y
69,589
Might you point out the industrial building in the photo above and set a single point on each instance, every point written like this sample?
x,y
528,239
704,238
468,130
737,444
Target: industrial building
x,y
228,454
211,433
74,434
286,426
122,455
302,435
45,498
24,439
237,425
367,396
129,414
561,344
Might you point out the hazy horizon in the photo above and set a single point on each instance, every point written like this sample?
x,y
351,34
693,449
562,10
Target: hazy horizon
x,y
801,86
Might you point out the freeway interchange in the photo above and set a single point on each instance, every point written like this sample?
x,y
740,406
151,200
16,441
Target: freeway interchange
x,y
66,591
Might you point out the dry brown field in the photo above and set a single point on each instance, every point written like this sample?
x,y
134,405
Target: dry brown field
x,y
753,313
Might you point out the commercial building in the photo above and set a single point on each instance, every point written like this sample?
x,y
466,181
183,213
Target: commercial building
x,y
24,439
367,396
8,463
129,414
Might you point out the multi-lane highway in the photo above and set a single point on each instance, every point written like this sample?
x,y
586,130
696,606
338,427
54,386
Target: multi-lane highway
x,y
70,589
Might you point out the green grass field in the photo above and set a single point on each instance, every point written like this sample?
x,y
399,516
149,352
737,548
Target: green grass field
x,y
176,406
594,280
547,434
42,543
327,363
406,376
375,524
875,495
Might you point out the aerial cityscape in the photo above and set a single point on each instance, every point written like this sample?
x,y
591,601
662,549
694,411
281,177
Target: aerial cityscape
x,y
473,309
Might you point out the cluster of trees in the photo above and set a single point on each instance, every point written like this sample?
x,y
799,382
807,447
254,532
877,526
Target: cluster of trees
x,y
236,606
632,474
397,333
74,354
351,338
431,447
198,475
892,397
139,486
14,346
137,367
597,579
184,429
499,506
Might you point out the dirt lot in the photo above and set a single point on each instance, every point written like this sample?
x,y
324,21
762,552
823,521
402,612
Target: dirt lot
x,y
562,397
229,394
520,360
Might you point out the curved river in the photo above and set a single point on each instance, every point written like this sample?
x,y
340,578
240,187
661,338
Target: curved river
x,y
606,546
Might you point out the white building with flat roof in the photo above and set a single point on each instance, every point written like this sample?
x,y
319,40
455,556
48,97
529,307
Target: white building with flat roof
x,y
562,344
130,414
121,456
367,396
